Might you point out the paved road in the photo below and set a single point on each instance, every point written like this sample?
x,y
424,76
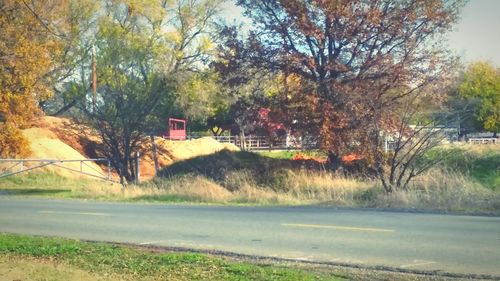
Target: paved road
x,y
459,244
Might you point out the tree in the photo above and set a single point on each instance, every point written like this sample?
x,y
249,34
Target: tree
x,y
244,88
130,89
350,55
145,51
78,39
31,44
407,156
198,95
480,84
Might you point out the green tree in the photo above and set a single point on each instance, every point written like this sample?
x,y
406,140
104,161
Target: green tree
x,y
480,83
150,62
82,17
130,88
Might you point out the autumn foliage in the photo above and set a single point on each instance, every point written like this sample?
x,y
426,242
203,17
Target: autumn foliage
x,y
27,49
359,62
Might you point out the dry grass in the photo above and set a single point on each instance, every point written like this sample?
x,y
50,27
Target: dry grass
x,y
245,178
290,187
324,187
293,187
437,190
440,190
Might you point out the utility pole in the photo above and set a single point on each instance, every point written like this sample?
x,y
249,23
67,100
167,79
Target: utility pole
x,y
94,80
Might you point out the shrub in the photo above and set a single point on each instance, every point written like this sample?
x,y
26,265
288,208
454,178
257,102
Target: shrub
x,y
12,142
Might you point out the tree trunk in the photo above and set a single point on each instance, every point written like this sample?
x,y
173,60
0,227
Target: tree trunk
x,y
334,161
122,173
131,168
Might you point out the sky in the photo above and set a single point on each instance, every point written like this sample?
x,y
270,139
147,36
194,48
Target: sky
x,y
475,37
477,34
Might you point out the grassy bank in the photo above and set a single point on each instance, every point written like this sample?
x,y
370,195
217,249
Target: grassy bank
x,y
481,163
61,259
465,181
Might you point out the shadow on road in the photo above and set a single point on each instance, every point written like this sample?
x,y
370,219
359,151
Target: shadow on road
x,y
32,191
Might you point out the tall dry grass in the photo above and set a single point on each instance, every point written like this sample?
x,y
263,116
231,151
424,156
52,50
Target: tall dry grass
x,y
288,187
440,190
436,190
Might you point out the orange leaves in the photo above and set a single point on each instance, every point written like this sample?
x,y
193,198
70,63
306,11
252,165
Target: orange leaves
x,y
302,157
12,142
350,159
26,57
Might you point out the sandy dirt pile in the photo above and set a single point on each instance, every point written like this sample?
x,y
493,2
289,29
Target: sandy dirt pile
x,y
44,144
169,151
182,150
62,139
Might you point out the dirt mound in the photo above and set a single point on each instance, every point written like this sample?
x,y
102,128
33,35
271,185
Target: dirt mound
x,y
169,152
63,139
45,144
79,137
182,150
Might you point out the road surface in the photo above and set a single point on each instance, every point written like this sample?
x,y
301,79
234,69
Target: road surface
x,y
457,244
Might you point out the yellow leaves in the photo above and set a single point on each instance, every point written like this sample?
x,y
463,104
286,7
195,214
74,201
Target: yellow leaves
x,y
12,142
206,44
30,45
174,36
179,55
187,16
150,9
22,70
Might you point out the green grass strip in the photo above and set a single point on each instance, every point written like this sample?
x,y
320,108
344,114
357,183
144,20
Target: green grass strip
x,y
136,263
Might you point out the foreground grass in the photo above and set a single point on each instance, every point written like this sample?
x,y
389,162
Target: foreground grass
x,y
98,261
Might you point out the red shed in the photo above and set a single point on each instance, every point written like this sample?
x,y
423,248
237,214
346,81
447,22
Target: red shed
x,y
176,129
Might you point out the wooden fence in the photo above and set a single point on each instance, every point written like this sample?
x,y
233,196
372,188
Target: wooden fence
x,y
266,143
484,140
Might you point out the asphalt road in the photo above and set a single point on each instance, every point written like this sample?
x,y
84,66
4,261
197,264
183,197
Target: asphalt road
x,y
457,244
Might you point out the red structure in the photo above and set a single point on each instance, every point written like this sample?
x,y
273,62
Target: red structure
x,y
176,129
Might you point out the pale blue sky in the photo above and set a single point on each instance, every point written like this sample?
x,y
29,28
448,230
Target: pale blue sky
x,y
475,37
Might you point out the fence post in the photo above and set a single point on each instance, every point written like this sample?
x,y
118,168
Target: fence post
x,y
137,172
109,169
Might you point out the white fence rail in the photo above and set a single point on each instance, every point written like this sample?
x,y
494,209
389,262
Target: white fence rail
x,y
484,140
10,167
266,143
